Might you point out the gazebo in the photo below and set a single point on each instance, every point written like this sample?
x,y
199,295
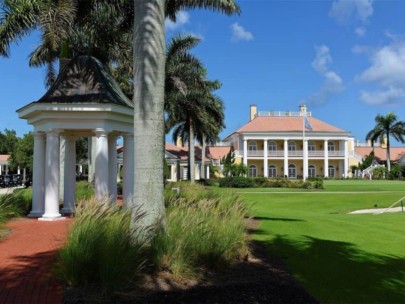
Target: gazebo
x,y
84,101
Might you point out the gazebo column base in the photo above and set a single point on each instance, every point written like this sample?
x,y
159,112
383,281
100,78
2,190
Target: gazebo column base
x,y
67,211
51,218
35,214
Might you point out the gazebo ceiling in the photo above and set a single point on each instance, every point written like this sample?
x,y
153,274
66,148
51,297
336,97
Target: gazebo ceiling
x,y
84,96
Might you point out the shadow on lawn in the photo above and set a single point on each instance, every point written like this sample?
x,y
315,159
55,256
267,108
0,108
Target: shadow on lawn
x,y
338,272
266,218
28,280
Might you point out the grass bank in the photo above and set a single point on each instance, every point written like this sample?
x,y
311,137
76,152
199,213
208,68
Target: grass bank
x,y
338,258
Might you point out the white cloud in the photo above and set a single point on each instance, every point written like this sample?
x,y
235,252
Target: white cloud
x,y
360,31
345,11
182,18
240,34
322,59
391,95
333,83
387,70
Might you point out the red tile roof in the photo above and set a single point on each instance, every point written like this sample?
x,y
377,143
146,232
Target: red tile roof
x,y
286,124
4,157
210,152
380,153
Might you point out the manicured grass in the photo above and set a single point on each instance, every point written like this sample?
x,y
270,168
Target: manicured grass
x,y
338,258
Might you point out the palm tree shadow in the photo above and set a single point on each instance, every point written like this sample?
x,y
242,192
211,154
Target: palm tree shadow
x,y
29,280
339,272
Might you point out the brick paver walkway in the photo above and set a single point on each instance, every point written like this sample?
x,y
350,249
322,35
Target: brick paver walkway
x,y
26,257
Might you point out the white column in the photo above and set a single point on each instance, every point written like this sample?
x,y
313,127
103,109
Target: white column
x,y
18,170
69,177
6,169
52,177
24,174
265,160
285,157
101,164
346,159
325,158
61,166
208,172
112,167
305,159
128,174
245,154
1,169
38,176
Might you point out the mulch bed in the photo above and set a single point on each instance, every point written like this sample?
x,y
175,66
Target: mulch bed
x,y
262,278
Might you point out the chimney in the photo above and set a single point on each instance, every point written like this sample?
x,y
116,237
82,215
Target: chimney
x,y
179,142
303,109
253,111
384,142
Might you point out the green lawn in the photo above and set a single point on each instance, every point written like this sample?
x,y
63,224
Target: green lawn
x,y
338,258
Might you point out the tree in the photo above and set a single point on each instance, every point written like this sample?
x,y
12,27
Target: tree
x,y
8,141
385,127
367,161
23,154
227,161
192,109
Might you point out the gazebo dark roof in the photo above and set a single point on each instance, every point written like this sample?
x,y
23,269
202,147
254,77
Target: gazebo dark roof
x,y
85,80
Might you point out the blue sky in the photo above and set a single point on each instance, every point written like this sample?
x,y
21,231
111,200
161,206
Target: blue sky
x,y
344,59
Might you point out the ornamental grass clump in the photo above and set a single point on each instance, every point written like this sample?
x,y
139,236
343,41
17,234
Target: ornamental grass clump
x,y
205,230
100,252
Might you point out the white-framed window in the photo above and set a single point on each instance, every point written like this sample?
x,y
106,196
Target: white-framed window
x,y
311,146
272,146
252,171
331,171
292,171
291,146
311,171
252,146
272,171
331,146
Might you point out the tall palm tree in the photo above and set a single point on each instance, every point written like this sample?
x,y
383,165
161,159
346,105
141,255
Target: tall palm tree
x,y
385,127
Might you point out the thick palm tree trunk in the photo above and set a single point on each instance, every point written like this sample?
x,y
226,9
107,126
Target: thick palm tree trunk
x,y
191,152
203,157
149,79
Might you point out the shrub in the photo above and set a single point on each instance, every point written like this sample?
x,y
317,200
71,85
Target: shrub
x,y
204,230
119,188
84,190
100,251
237,182
260,181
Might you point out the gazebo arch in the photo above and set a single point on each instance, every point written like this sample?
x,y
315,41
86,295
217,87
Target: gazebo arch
x,y
84,101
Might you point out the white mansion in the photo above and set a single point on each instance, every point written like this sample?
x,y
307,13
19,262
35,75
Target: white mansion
x,y
291,144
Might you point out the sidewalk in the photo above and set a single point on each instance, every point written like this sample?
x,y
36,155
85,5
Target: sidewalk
x,y
26,256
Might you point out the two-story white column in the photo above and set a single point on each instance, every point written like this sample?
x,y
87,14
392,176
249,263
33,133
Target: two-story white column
x,y
62,153
112,166
286,157
128,167
245,152
101,164
325,158
52,157
305,159
346,159
69,188
265,159
38,176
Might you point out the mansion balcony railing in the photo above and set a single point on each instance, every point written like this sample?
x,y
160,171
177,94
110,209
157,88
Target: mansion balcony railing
x,y
296,153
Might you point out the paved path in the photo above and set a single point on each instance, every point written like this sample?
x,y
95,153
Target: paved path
x,y
26,257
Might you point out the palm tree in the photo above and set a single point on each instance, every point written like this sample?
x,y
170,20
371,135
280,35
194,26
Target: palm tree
x,y
385,127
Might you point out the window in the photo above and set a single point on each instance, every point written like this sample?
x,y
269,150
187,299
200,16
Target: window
x,y
331,171
291,146
331,146
252,146
272,146
272,171
292,171
311,171
311,146
252,171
